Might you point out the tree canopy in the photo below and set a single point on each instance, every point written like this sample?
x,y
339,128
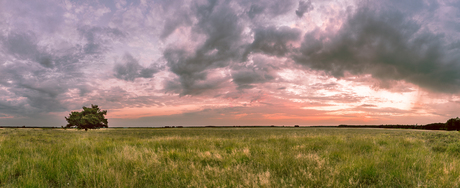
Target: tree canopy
x,y
89,118
453,124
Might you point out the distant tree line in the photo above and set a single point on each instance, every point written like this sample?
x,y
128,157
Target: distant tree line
x,y
452,124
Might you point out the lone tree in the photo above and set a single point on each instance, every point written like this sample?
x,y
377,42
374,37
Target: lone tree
x,y
89,118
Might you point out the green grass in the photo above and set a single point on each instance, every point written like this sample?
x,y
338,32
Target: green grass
x,y
229,157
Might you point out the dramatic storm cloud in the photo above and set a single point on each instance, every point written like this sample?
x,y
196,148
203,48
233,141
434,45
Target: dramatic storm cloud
x,y
201,62
304,7
130,69
387,45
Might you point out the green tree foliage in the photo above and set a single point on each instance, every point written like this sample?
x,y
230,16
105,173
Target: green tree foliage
x,y
89,118
453,124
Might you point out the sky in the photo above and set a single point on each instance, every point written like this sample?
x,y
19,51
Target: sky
x,y
230,62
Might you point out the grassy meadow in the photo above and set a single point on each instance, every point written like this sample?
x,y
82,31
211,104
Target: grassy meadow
x,y
229,157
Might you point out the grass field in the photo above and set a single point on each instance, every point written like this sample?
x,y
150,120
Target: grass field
x,y
229,157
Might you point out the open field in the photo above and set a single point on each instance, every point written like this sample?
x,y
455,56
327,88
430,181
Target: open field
x,y
229,157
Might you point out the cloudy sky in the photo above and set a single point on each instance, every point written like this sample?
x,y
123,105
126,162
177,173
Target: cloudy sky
x,y
230,62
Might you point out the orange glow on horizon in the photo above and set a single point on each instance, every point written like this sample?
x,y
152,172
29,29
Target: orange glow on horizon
x,y
133,113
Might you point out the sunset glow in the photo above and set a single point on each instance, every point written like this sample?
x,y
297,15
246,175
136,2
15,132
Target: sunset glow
x,y
213,62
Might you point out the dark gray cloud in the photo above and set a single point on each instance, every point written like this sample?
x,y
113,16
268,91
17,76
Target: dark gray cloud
x,y
247,78
225,44
96,37
130,69
269,9
274,41
410,7
173,22
24,46
255,10
172,85
20,44
220,24
304,7
177,14
32,74
387,44
377,40
37,75
277,8
33,88
261,70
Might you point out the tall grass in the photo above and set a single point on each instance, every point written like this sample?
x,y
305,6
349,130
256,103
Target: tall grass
x,y
229,157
